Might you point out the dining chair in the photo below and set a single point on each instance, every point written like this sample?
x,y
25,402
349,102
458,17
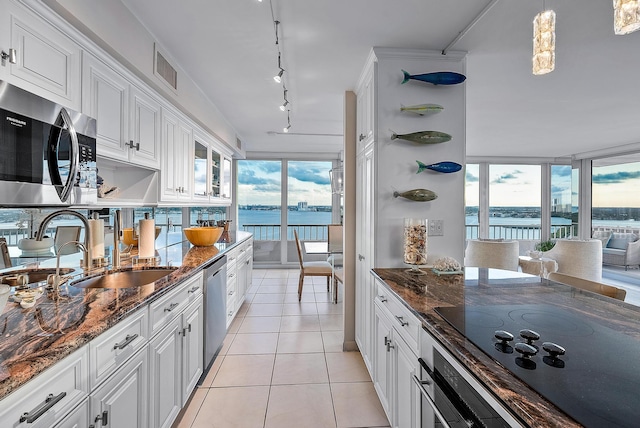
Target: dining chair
x,y
311,268
66,234
585,284
334,242
580,258
492,254
5,259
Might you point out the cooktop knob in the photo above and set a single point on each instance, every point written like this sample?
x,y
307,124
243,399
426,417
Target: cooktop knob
x,y
529,336
553,349
503,336
527,351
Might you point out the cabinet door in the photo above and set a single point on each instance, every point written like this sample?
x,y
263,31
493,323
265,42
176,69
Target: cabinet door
x,y
406,409
105,96
382,360
185,161
144,129
48,62
365,114
78,418
121,402
165,362
226,178
216,173
170,149
192,350
200,171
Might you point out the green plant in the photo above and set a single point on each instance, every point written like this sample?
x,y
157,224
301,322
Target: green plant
x,y
545,245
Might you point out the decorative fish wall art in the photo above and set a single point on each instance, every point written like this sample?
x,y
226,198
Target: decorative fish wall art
x,y
422,109
437,78
423,137
417,195
446,167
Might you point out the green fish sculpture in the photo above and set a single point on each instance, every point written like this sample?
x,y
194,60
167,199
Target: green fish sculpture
x,y
418,195
422,109
423,137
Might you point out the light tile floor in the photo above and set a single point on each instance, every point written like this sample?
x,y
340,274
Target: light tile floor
x,y
282,364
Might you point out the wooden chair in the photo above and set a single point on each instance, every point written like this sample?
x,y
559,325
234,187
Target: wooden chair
x,y
311,268
334,241
585,284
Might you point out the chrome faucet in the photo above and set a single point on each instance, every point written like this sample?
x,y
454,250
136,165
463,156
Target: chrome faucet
x,y
55,281
88,260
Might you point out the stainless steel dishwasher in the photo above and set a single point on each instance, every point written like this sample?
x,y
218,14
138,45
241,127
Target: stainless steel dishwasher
x,y
215,310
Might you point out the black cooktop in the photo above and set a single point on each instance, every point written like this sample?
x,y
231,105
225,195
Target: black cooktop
x,y
597,381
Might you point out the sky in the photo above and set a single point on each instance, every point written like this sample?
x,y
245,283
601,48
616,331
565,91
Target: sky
x,y
616,186
259,182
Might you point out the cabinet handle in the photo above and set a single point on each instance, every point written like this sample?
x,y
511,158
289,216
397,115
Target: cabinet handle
x,y
230,313
193,289
401,321
232,292
127,340
387,343
171,307
42,408
185,330
361,137
231,275
104,417
382,298
133,146
360,257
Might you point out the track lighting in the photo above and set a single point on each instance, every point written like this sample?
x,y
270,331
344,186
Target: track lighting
x,y
286,128
283,107
278,77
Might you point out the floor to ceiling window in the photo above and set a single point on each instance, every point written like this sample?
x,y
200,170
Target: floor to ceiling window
x,y
514,201
562,213
276,197
472,200
614,193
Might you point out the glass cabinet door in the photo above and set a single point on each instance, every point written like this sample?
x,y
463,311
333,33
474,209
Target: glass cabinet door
x,y
200,170
226,179
215,174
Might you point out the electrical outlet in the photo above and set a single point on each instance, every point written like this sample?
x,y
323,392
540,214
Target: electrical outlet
x,y
436,227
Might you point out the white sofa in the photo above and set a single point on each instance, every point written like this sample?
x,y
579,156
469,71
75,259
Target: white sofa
x,y
621,249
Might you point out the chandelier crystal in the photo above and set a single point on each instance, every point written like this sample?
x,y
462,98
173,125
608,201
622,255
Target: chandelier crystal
x,y
626,16
544,42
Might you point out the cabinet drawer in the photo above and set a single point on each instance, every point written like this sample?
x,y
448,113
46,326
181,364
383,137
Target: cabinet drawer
x,y
67,381
115,346
404,321
167,307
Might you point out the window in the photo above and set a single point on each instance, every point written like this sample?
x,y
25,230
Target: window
x,y
472,200
561,202
615,199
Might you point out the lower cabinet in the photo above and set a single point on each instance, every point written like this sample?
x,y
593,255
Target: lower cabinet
x,y
394,364
121,401
239,269
78,418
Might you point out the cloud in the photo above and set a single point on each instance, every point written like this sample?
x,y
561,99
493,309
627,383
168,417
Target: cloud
x,y
561,170
615,177
268,166
559,189
247,176
470,178
310,174
507,176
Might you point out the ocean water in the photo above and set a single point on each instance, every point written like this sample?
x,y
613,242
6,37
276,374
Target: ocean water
x,y
309,218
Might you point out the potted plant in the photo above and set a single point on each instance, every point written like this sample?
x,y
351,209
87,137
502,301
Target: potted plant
x,y
545,245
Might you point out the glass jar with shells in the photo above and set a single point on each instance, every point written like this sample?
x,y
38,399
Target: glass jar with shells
x,y
415,243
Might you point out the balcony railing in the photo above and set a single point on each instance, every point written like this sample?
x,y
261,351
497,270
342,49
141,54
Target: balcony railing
x,y
510,231
272,232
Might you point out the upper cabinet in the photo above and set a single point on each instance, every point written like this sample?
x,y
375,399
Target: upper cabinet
x,y
128,119
211,173
366,111
47,61
177,149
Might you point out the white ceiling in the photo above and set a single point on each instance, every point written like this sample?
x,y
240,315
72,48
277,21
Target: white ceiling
x,y
590,102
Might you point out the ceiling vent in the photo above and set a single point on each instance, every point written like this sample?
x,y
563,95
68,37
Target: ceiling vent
x,y
238,143
164,70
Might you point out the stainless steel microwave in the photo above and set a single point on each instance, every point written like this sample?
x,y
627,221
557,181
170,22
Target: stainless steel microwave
x,y
47,152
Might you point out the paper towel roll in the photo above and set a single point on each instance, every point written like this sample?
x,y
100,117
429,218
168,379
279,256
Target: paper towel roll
x,y
96,229
147,239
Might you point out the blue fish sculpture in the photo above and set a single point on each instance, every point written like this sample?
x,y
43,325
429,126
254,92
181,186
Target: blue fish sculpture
x,y
437,78
446,167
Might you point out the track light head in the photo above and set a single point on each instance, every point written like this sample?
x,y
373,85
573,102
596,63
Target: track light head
x,y
283,107
286,128
278,77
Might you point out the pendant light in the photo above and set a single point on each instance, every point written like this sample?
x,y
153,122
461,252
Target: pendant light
x,y
544,42
626,16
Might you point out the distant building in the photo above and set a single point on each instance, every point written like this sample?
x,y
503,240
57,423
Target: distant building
x,y
303,206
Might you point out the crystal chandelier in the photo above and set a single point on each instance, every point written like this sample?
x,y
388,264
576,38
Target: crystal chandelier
x,y
626,16
544,42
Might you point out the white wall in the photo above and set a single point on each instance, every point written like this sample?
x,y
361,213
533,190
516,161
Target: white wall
x,y
114,28
396,160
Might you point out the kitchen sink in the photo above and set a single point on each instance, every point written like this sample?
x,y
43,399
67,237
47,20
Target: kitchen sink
x,y
31,276
124,279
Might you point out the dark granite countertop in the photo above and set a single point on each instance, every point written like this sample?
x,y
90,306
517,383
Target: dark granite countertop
x,y
489,287
35,338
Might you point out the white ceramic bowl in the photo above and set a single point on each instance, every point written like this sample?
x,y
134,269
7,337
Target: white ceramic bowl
x,y
31,244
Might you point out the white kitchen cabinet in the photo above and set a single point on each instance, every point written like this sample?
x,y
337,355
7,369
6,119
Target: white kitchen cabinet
x,y
78,418
239,269
127,119
365,245
48,61
366,108
121,401
244,268
177,147
60,388
211,173
382,360
175,352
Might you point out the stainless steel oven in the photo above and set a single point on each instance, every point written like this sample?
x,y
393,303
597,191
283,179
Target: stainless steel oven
x,y
47,152
451,397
